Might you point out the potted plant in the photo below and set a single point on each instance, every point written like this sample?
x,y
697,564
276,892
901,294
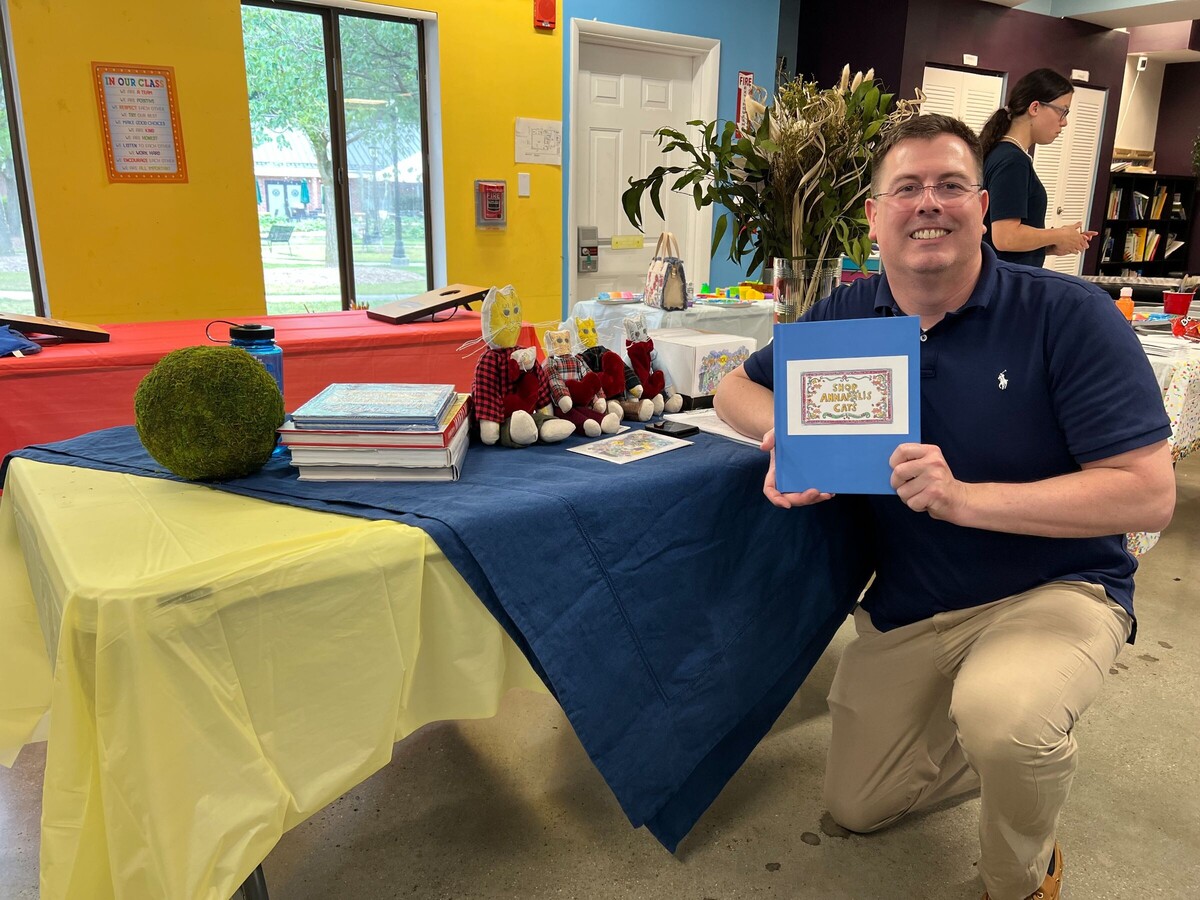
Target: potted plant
x,y
792,186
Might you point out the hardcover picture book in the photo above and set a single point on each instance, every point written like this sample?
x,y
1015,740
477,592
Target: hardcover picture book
x,y
439,436
382,464
377,407
846,394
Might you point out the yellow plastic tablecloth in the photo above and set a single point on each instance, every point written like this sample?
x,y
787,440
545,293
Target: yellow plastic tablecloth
x,y
218,669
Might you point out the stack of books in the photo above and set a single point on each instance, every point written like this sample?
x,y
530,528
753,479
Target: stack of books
x,y
380,432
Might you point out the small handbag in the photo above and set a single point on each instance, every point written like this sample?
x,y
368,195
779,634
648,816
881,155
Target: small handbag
x,y
666,284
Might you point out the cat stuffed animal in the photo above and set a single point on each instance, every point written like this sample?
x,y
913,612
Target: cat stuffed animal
x,y
575,388
619,382
511,392
643,358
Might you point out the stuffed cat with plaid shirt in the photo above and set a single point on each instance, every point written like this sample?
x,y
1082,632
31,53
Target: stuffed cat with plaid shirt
x,y
575,389
510,391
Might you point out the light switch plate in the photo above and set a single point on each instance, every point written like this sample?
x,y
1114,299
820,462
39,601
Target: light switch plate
x,y
1080,75
522,184
970,59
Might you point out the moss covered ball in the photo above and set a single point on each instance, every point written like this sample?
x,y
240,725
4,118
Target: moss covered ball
x,y
209,413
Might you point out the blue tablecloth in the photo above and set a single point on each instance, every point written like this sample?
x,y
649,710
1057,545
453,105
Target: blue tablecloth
x,y
672,610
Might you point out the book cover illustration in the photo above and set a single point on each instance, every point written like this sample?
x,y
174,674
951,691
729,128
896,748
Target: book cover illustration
x,y
368,404
847,393
438,435
634,445
716,364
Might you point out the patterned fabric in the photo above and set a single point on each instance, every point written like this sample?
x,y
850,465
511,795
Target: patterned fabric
x,y
560,370
593,357
496,378
1181,397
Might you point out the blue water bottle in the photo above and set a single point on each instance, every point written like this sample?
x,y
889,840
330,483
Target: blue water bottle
x,y
259,342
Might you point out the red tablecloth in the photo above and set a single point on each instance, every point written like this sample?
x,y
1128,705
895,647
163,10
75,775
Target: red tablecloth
x,y
69,389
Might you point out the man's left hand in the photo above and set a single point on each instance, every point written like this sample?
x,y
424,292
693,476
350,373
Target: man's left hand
x,y
923,480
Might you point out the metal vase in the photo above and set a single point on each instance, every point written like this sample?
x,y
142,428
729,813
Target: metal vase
x,y
799,283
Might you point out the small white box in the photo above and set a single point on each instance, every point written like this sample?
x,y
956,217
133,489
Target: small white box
x,y
696,361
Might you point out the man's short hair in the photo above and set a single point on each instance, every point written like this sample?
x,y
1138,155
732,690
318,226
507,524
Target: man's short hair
x,y
925,128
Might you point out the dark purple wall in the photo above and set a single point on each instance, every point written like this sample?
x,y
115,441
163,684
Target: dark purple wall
x,y
1178,125
1168,36
941,31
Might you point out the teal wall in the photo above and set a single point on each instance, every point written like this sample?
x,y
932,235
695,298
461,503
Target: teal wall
x,y
747,31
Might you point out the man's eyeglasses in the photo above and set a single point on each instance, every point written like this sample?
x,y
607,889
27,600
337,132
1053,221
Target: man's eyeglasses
x,y
946,193
1063,111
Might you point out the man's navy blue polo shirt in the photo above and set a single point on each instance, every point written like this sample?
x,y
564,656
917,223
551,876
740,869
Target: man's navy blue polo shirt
x,y
1034,375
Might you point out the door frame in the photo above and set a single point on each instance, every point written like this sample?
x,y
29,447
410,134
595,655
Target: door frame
x,y
706,53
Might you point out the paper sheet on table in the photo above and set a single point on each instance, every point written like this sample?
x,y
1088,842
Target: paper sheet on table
x,y
708,420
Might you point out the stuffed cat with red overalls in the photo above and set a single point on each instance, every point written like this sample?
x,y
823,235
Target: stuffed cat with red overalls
x,y
620,383
575,389
643,359
511,392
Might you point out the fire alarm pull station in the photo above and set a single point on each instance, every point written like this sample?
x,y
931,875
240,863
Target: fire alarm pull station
x,y
544,14
589,249
491,210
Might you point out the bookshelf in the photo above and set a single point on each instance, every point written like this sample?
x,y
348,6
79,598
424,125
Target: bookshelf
x,y
1147,225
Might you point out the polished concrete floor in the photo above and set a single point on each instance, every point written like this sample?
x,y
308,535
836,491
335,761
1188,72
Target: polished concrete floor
x,y
510,807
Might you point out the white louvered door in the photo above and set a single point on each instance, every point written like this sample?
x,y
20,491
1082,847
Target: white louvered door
x,y
970,96
1067,169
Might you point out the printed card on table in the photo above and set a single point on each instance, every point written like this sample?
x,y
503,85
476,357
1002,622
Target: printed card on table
x,y
625,448
846,394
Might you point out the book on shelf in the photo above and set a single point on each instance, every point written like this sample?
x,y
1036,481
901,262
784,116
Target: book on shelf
x,y
439,436
1106,246
1160,202
1177,209
1131,242
377,407
1140,202
451,471
1114,202
1150,246
1173,244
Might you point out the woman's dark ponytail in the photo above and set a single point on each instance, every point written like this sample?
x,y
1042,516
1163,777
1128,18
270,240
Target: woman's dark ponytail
x,y
994,129
1039,86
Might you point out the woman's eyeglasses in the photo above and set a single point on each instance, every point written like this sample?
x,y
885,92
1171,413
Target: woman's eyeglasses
x,y
1063,111
946,193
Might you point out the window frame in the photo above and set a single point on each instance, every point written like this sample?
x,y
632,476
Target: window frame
x,y
330,15
21,171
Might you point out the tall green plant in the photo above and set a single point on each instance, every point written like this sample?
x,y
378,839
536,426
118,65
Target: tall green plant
x,y
795,185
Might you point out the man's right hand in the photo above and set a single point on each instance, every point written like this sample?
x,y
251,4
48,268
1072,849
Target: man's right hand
x,y
785,501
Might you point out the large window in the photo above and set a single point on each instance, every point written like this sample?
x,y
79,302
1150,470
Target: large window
x,y
337,117
19,291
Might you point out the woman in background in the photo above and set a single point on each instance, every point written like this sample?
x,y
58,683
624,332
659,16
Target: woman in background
x,y
1016,216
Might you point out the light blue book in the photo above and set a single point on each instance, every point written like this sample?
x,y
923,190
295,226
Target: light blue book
x,y
846,394
386,407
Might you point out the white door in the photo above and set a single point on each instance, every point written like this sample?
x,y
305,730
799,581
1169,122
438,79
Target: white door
x,y
1067,169
970,96
623,95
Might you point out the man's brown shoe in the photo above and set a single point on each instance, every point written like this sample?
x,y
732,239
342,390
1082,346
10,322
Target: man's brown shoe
x,y
1051,887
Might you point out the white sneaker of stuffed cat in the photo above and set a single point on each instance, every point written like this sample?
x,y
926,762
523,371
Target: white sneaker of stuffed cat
x,y
645,411
674,403
611,423
659,403
521,428
554,430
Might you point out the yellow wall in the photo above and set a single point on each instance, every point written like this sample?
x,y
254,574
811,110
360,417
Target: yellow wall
x,y
136,252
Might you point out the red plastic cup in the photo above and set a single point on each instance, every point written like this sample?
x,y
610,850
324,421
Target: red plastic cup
x,y
1176,303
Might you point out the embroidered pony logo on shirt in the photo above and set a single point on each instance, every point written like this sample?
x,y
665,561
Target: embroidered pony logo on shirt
x,y
1002,380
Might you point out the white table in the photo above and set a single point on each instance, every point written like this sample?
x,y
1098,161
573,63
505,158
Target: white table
x,y
756,320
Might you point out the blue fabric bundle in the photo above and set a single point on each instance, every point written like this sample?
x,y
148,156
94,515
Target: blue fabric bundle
x,y
670,608
12,341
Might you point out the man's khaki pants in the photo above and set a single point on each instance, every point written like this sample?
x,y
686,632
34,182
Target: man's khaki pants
x,y
984,697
